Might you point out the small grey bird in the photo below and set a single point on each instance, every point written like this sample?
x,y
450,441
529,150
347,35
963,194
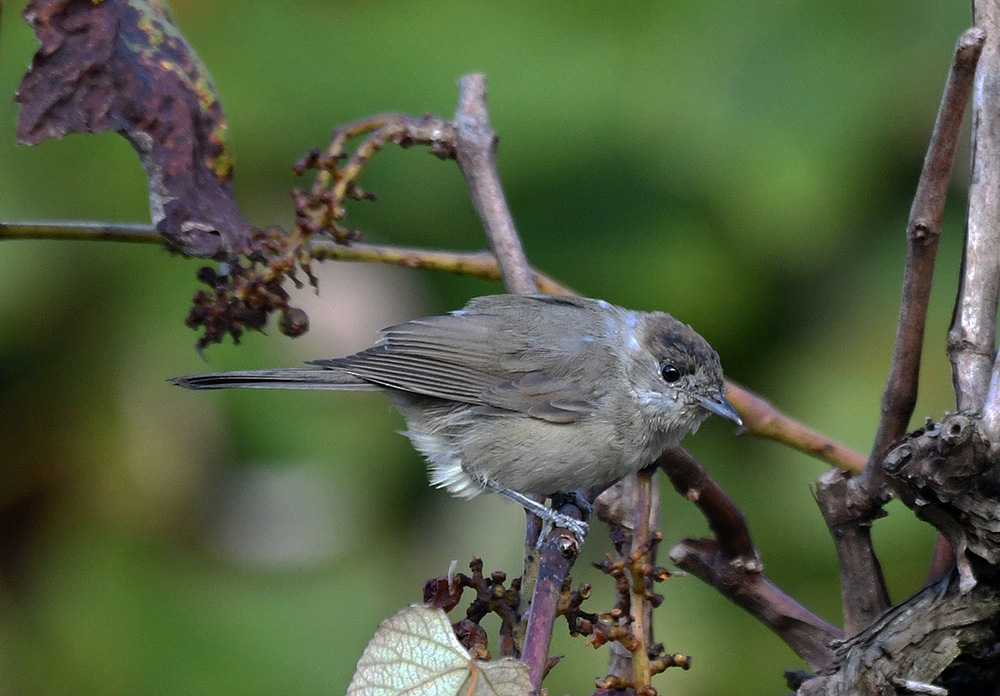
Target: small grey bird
x,y
527,394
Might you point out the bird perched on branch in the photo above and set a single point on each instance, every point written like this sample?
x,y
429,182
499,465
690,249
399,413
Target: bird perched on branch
x,y
527,394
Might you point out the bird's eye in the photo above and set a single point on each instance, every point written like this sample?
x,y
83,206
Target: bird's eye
x,y
669,373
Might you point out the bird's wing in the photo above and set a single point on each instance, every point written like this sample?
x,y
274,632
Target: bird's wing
x,y
503,358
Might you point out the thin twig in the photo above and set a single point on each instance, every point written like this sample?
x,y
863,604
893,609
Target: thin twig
x,y
476,155
623,507
850,506
762,419
475,152
973,328
476,264
82,231
923,231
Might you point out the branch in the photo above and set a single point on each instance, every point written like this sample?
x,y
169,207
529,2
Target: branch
x,y
476,264
937,629
476,155
923,230
762,419
850,507
983,207
731,565
475,151
640,606
971,336
631,508
82,232
554,561
849,513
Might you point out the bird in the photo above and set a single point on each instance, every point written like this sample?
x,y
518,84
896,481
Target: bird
x,y
527,395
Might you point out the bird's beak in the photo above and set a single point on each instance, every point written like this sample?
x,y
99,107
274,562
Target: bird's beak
x,y
720,407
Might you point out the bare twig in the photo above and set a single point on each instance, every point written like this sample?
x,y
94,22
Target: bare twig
x,y
476,264
984,211
476,155
555,559
850,506
762,419
475,152
82,231
923,230
322,208
632,509
730,563
973,328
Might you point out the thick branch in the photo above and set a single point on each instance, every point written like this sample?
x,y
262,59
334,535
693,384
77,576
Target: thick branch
x,y
731,565
971,336
937,629
849,513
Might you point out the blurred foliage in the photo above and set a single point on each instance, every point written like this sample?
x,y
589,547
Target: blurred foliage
x,y
748,170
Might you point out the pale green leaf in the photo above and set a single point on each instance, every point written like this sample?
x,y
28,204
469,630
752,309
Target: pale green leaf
x,y
416,653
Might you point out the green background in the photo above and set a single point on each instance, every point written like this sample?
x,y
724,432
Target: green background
x,y
745,166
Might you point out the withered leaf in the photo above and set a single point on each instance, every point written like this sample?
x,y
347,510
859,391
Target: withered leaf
x,y
123,65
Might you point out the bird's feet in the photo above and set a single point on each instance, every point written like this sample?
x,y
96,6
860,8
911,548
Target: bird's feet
x,y
547,514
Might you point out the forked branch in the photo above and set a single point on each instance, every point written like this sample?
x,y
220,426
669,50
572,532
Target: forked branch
x,y
730,563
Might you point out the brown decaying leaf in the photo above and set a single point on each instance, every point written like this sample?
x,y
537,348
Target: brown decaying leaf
x,y
124,66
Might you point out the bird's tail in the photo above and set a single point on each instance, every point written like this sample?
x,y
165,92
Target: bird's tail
x,y
286,378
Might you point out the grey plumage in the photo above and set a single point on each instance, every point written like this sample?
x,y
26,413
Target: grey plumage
x,y
536,393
